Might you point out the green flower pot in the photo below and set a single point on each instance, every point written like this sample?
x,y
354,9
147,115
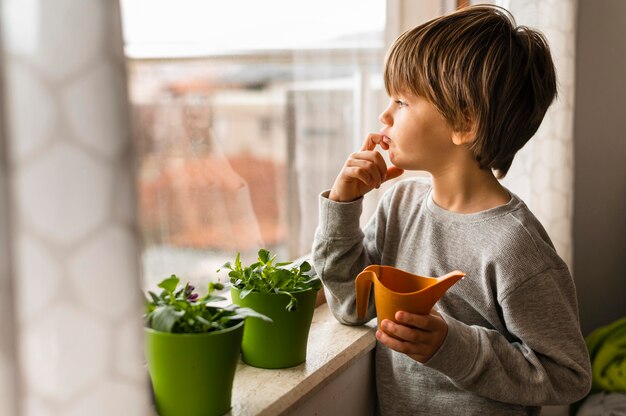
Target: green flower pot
x,y
192,374
281,343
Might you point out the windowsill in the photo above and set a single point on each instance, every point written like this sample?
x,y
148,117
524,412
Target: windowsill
x,y
331,349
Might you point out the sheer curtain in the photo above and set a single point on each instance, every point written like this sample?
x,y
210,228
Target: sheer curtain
x,y
282,103
543,172
70,301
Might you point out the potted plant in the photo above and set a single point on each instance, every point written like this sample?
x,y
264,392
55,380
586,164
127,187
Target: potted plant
x,y
286,293
192,348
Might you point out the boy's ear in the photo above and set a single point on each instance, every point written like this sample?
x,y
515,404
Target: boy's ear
x,y
465,136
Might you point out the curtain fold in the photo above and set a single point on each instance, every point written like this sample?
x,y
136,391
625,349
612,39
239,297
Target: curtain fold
x,y
542,173
70,260
8,371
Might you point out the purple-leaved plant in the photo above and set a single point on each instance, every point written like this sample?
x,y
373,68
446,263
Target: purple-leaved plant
x,y
181,310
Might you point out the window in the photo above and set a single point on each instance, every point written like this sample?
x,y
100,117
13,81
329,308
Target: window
x,y
244,111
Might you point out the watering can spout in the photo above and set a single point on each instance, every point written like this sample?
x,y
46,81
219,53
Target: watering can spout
x,y
445,282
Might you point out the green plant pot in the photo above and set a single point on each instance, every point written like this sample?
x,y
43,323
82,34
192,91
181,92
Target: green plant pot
x,y
281,343
192,374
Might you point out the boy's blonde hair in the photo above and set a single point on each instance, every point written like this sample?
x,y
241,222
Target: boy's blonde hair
x,y
483,73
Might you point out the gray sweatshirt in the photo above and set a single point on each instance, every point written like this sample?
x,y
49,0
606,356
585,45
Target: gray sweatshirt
x,y
514,341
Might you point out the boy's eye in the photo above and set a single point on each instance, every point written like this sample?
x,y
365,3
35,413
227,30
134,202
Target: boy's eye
x,y
400,103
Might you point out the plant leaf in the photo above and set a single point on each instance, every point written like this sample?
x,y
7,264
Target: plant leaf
x,y
292,306
234,275
214,286
314,283
163,318
305,267
264,256
213,298
155,298
203,321
245,293
243,313
170,283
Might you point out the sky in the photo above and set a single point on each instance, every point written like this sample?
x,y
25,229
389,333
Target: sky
x,y
175,26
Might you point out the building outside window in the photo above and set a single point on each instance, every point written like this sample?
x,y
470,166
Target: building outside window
x,y
243,113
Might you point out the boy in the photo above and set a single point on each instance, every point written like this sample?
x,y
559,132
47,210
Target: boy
x,y
467,91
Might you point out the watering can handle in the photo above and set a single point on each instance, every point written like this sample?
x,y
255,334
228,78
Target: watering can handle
x,y
363,285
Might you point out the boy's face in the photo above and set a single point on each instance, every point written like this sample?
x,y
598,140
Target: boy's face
x,y
418,136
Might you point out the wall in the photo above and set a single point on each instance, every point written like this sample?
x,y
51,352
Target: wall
x,y
600,162
350,393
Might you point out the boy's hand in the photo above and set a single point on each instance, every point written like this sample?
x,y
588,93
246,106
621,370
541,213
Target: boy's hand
x,y
363,171
418,336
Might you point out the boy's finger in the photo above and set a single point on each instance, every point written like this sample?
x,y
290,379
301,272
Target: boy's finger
x,y
402,332
377,159
371,141
362,175
423,322
393,172
370,159
393,343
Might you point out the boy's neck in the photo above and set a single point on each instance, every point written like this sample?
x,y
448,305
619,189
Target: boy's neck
x,y
467,191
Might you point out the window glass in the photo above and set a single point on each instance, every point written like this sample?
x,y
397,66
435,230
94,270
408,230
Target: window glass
x,y
244,111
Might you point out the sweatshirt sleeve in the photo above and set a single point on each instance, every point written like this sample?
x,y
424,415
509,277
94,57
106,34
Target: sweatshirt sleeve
x,y
341,250
546,363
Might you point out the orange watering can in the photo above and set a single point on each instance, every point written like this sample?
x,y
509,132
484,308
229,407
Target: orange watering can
x,y
396,290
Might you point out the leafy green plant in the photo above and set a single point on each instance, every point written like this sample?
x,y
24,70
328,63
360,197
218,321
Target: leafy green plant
x,y
183,311
266,276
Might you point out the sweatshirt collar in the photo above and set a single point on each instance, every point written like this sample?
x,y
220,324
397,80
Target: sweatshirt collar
x,y
444,214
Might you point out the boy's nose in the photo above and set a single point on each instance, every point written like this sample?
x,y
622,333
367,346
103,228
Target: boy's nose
x,y
385,118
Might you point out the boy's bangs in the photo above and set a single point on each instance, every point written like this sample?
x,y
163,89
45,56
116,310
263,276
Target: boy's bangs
x,y
404,69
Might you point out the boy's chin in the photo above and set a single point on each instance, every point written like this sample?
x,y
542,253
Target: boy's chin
x,y
403,165
410,163
394,160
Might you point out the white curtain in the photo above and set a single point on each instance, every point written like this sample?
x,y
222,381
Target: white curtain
x,y
71,331
542,173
